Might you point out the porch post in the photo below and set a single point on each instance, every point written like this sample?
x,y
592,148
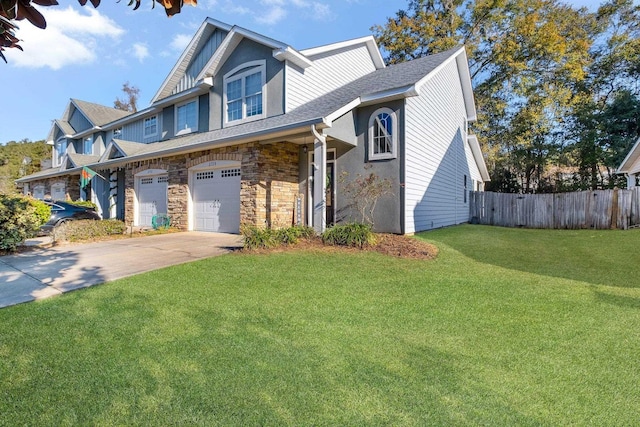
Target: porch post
x,y
319,181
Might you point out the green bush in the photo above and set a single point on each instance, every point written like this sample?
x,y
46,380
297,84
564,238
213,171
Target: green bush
x,y
264,238
20,219
83,203
350,234
87,229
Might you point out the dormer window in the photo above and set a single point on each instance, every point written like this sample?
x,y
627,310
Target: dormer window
x,y
60,149
244,92
187,117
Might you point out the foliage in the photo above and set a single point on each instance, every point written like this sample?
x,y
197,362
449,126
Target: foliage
x,y
86,229
544,75
363,193
506,327
20,219
264,238
19,159
17,10
130,103
352,234
83,203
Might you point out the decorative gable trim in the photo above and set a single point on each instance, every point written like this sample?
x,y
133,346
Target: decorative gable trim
x,y
630,164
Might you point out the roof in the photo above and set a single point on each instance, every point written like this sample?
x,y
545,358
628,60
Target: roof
x,y
79,160
631,163
97,114
395,81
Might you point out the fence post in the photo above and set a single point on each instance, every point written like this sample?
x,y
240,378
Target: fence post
x,y
614,209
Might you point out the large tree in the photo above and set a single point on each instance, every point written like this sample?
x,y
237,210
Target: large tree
x,y
19,159
531,61
18,10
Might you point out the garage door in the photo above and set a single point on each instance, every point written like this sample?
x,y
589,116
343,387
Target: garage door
x,y
216,200
152,198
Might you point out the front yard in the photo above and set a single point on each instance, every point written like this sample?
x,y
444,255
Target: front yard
x,y
505,327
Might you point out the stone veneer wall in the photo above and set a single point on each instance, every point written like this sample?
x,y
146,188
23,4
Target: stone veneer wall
x,y
269,182
71,186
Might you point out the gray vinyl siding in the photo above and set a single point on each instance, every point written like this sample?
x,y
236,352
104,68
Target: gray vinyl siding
x,y
329,71
436,158
199,61
135,131
78,121
248,51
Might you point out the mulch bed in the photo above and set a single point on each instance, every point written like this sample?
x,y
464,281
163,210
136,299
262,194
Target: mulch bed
x,y
388,244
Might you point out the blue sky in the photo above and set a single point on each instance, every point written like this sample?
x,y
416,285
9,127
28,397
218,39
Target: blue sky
x,y
88,53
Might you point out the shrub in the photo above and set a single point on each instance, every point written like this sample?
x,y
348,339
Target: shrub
x,y
257,238
264,238
74,231
350,234
83,203
20,219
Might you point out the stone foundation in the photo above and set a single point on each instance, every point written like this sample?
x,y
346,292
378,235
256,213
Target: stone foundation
x,y
71,186
269,182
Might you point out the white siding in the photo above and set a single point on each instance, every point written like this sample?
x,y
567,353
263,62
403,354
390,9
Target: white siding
x,y
328,72
437,155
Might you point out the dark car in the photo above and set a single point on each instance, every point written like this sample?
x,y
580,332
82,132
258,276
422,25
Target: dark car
x,y
63,211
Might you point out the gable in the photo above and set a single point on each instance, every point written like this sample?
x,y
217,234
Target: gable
x,y
78,121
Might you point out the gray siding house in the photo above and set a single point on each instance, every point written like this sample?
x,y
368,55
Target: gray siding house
x,y
247,129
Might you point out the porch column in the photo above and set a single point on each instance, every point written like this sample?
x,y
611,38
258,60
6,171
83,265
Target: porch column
x,y
319,181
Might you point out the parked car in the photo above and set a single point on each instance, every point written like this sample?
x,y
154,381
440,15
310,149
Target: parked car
x,y
62,212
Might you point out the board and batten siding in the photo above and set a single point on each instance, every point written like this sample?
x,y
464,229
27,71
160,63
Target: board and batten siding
x,y
329,71
134,132
78,121
437,155
196,65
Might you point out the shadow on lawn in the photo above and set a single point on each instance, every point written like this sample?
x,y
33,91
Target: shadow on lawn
x,y
598,257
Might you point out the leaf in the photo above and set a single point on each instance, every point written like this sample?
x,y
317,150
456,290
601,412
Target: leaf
x,y
45,2
32,15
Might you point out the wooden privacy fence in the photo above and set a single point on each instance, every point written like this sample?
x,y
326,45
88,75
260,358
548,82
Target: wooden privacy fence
x,y
600,209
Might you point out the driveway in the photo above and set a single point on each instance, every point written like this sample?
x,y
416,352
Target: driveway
x,y
45,272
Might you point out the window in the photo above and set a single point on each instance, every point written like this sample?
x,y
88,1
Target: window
x,y
60,149
117,132
150,126
383,134
244,92
87,146
465,188
187,117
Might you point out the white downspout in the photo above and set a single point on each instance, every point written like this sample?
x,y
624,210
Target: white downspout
x,y
319,181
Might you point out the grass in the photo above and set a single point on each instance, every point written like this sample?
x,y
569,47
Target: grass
x,y
505,327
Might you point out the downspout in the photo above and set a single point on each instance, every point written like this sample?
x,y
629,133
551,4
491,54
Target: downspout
x,y
319,180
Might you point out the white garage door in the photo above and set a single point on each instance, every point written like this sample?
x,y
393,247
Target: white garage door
x,y
152,198
58,192
216,200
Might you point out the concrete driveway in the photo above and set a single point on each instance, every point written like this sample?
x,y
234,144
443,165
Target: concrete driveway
x,y
45,272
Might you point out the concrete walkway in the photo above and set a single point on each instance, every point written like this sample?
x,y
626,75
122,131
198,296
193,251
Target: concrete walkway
x,y
47,271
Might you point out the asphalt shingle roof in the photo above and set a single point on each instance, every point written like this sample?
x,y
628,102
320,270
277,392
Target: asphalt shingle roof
x,y
99,114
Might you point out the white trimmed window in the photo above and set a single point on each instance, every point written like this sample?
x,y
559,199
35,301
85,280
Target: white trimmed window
x,y
150,126
59,151
187,117
383,134
87,145
244,92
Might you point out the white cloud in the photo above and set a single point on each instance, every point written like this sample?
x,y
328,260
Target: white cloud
x,y
140,51
70,38
180,42
272,16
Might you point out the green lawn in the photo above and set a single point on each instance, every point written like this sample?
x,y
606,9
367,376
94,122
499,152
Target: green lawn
x,y
505,327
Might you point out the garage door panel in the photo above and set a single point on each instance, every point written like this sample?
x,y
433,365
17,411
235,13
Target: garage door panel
x,y
152,198
216,200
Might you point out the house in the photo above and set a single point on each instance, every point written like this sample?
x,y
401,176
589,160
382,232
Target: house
x,y
630,166
247,129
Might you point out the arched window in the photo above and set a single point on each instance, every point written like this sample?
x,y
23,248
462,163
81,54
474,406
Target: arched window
x,y
383,134
244,92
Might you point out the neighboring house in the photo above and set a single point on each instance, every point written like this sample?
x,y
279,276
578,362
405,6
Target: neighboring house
x,y
630,166
246,129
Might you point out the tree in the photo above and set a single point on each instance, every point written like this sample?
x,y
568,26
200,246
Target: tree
x,y
17,10
540,68
131,103
19,159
